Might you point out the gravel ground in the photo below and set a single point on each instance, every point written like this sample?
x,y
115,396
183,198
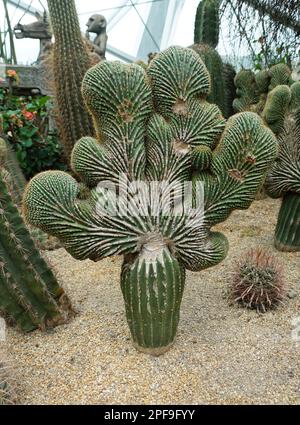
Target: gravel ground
x,y
223,354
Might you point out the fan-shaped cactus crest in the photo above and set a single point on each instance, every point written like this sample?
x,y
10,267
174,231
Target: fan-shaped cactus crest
x,y
164,168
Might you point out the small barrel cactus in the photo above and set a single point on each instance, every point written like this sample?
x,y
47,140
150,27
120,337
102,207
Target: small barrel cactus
x,y
257,282
156,135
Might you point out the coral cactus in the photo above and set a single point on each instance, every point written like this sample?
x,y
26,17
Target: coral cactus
x,y
257,281
70,62
29,292
156,135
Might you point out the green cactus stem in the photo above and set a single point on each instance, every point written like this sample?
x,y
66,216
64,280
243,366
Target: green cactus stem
x,y
156,134
70,63
206,29
287,233
152,294
283,180
29,292
229,76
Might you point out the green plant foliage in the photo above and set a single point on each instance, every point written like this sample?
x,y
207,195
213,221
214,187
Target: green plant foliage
x,y
27,128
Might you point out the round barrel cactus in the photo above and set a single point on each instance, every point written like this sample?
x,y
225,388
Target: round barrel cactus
x,y
164,169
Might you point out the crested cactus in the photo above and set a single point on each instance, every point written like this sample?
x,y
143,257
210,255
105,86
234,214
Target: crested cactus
x,y
30,295
157,138
283,180
70,62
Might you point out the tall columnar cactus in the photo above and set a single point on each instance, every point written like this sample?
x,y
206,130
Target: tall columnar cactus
x,y
70,62
207,23
29,292
9,161
206,38
283,180
155,134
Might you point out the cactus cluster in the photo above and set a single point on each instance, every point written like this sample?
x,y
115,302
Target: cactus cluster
x,y
268,93
156,134
30,295
206,39
71,60
257,282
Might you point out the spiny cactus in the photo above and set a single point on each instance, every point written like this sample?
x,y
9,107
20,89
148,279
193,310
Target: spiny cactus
x,y
9,161
155,134
229,89
206,38
29,292
268,93
207,23
70,62
246,91
257,282
283,180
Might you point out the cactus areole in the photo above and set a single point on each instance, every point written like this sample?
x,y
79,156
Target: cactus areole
x,y
164,168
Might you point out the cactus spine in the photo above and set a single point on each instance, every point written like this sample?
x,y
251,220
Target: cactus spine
x,y
29,292
155,133
70,63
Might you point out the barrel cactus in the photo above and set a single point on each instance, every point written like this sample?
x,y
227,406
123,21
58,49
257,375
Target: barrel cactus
x,y
257,282
157,139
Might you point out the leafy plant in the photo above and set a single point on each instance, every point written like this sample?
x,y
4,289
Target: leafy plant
x,y
26,124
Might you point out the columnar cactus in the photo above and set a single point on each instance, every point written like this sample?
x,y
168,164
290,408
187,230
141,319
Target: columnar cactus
x,y
70,62
206,38
29,292
155,134
9,161
283,180
207,23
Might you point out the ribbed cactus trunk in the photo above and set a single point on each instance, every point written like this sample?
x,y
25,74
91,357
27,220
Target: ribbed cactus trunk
x,y
70,63
29,292
152,293
287,233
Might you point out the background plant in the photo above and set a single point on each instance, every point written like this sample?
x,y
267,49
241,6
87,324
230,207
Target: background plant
x,y
27,127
